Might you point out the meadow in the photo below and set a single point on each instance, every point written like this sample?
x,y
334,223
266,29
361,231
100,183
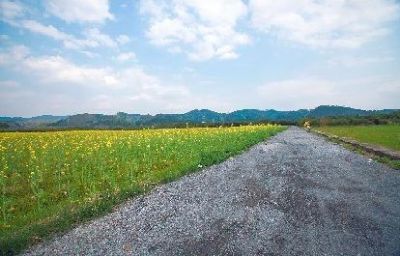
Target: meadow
x,y
383,135
50,181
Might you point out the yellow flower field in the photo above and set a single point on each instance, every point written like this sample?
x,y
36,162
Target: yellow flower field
x,y
50,180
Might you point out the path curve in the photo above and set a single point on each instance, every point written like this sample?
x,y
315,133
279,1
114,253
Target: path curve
x,y
293,194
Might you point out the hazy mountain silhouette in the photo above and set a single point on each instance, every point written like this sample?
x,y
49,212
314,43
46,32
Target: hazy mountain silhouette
x,y
202,116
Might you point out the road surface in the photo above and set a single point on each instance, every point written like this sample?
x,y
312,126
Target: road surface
x,y
294,194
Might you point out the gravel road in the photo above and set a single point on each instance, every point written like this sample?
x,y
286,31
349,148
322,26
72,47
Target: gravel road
x,y
294,194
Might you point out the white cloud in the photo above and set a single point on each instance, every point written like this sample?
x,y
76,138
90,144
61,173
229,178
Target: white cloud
x,y
326,24
10,10
126,56
309,92
357,61
8,84
201,29
50,31
123,39
93,37
14,54
90,54
55,69
69,41
96,11
297,93
14,13
105,90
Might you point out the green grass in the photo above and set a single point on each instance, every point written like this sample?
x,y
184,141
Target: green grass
x,y
51,181
387,136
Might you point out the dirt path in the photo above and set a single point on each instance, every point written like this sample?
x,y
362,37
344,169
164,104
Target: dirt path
x,y
294,194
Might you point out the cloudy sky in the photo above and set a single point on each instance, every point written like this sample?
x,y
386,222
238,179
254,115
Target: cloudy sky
x,y
152,56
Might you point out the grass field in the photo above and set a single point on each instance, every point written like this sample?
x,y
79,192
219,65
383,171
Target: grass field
x,y
51,180
383,135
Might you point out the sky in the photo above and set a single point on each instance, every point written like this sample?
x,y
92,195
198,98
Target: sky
x,y
171,56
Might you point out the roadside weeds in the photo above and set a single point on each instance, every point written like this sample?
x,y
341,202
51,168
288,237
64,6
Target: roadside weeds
x,y
378,153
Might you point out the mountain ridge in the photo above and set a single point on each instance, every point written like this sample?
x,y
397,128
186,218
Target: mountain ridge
x,y
195,116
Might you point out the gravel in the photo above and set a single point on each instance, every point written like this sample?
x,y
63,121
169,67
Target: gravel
x,y
294,194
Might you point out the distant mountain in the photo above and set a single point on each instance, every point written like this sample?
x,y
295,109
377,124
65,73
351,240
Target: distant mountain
x,y
196,117
329,111
203,116
37,122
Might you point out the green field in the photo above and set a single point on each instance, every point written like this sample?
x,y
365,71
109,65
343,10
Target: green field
x,y
51,180
383,135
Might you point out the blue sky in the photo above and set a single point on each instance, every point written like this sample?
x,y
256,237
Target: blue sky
x,y
170,56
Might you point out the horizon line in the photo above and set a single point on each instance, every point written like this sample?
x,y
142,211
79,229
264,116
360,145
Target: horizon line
x,y
199,109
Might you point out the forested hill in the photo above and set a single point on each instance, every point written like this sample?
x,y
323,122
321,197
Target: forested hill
x,y
196,117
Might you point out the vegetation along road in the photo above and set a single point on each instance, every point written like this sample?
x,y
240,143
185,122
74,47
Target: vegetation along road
x,y
384,135
293,194
49,181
